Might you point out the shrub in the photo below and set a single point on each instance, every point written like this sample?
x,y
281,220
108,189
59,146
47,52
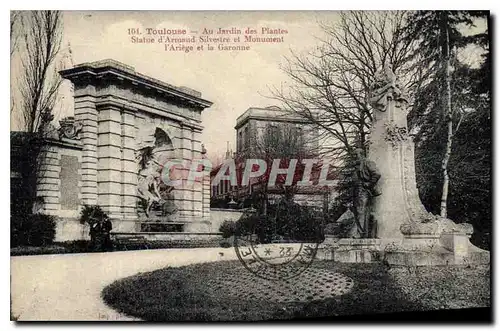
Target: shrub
x,y
247,223
33,230
77,246
30,250
227,228
298,223
91,214
287,221
331,229
225,244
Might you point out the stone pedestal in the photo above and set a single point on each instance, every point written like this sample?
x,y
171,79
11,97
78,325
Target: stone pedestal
x,y
357,250
349,250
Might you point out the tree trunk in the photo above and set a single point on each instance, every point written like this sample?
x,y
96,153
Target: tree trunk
x,y
449,123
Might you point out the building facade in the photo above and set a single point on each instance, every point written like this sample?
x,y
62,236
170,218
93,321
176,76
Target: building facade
x,y
256,125
126,127
270,132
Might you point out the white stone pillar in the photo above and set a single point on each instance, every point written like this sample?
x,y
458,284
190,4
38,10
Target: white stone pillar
x,y
48,186
86,113
197,188
129,166
109,177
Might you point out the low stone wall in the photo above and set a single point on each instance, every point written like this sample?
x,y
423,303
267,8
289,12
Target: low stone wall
x,y
68,229
174,236
217,216
71,229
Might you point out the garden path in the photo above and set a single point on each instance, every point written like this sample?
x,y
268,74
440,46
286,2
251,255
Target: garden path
x,y
68,287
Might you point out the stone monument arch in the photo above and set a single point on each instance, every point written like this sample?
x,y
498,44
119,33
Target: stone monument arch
x,y
122,114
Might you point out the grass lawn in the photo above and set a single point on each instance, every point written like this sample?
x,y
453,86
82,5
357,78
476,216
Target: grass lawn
x,y
188,293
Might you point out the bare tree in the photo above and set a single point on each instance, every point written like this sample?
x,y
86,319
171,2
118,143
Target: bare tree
x,y
288,143
40,81
16,21
16,24
330,84
38,84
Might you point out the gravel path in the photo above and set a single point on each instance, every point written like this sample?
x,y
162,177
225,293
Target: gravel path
x,y
68,287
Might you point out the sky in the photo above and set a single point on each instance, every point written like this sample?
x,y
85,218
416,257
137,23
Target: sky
x,y
232,80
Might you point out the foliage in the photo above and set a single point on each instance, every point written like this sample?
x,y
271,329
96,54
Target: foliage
x,y
345,185
24,149
248,223
469,166
85,246
33,250
227,228
225,244
91,214
33,230
286,221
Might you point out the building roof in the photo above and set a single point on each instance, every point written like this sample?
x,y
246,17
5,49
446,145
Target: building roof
x,y
121,71
272,113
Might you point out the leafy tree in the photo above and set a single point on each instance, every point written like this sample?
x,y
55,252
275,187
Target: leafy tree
x,y
469,164
438,111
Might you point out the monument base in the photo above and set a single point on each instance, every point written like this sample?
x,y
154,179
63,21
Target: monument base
x,y
349,250
357,250
453,248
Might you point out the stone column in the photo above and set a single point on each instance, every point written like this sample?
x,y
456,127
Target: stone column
x,y
206,191
181,192
49,183
197,188
391,148
129,166
86,113
109,177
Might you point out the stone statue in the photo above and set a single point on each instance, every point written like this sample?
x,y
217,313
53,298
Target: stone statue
x,y
366,177
386,86
154,193
147,187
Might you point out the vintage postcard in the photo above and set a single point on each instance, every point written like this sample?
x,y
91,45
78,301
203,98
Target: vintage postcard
x,y
175,166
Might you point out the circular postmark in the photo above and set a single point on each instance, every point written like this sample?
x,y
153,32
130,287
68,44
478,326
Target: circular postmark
x,y
276,248
275,261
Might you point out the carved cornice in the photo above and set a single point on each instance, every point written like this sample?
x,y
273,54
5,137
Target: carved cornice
x,y
125,106
110,69
64,142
